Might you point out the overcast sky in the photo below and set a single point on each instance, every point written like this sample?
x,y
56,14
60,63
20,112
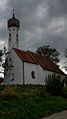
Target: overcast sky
x,y
43,22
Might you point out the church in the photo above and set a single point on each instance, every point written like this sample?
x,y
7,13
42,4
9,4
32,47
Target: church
x,y
25,67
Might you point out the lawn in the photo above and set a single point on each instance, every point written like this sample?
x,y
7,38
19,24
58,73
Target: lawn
x,y
28,102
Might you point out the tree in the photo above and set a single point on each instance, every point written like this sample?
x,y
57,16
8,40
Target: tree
x,y
1,60
6,64
1,54
49,52
65,66
66,53
54,84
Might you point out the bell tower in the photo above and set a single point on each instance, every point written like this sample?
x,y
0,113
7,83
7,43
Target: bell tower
x,y
13,32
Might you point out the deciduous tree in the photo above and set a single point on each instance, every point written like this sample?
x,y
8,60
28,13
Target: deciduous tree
x,y
49,52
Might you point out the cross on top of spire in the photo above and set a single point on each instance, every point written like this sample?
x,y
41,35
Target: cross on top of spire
x,y
13,21
13,8
13,12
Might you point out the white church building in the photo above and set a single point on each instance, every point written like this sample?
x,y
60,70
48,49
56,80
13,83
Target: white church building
x,y
25,67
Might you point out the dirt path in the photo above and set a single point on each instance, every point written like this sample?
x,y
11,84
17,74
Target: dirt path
x,y
60,115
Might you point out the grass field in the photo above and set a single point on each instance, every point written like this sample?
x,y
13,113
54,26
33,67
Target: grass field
x,y
28,102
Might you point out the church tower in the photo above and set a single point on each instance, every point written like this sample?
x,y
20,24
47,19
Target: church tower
x,y
13,35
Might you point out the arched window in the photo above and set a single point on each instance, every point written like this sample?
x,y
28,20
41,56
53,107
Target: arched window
x,y
9,39
13,45
17,35
33,74
9,34
17,39
12,77
13,29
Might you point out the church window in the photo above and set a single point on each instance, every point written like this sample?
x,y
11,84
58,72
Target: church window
x,y
33,74
9,34
12,77
9,39
17,35
17,39
13,45
13,29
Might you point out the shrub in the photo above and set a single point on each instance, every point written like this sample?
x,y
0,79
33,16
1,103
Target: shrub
x,y
54,84
1,86
64,92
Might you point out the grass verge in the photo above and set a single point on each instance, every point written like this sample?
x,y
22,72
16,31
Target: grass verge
x,y
28,102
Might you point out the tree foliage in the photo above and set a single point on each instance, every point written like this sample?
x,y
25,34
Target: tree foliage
x,y
5,64
54,84
66,53
65,63
8,65
1,54
1,59
49,52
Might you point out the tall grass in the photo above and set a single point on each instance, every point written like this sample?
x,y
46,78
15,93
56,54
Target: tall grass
x,y
28,102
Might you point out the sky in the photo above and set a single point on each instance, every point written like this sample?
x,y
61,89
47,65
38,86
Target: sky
x,y
42,22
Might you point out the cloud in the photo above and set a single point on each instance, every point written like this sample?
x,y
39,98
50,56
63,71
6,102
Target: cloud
x,y
43,22
3,4
57,8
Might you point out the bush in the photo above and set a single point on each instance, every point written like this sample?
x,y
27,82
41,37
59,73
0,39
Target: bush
x,y
2,86
54,84
64,92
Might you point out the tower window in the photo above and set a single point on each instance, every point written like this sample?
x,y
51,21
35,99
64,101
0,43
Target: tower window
x,y
13,29
9,34
9,39
17,35
17,39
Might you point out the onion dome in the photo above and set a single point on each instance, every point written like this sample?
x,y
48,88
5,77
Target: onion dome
x,y
13,22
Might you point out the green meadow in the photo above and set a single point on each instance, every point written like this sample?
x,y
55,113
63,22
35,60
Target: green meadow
x,y
28,102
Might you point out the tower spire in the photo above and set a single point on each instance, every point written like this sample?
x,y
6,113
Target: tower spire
x,y
13,8
13,12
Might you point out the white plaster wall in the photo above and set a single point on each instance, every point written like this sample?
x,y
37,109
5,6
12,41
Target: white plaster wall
x,y
13,43
17,70
46,73
28,68
40,75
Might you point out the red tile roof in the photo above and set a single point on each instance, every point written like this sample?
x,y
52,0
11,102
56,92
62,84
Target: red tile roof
x,y
45,63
